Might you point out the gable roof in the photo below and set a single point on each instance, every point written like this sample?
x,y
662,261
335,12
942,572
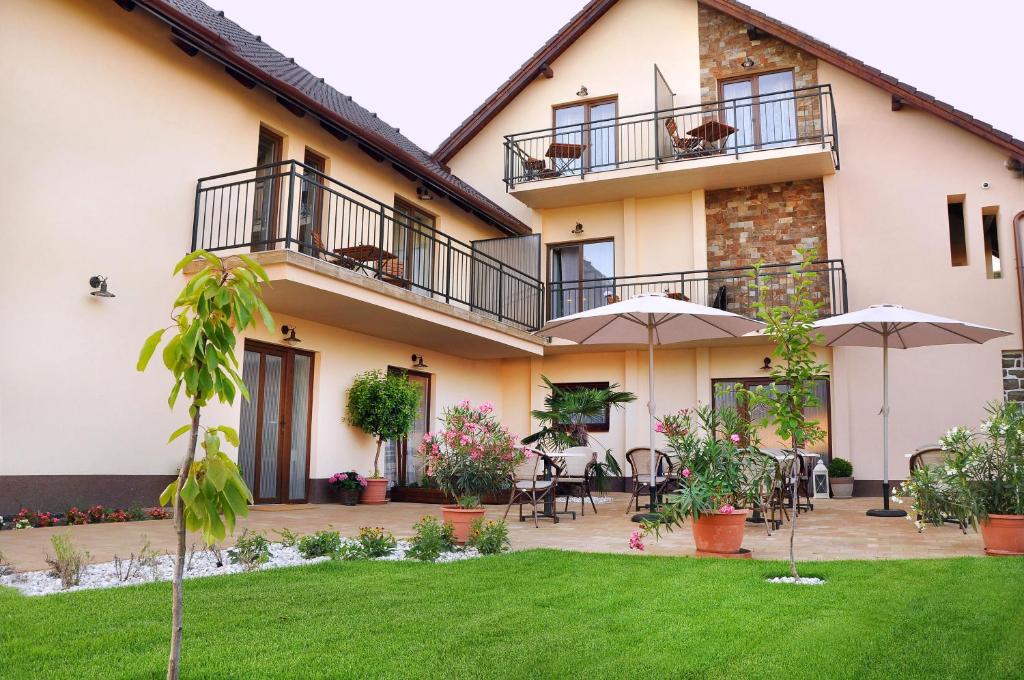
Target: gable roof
x,y
595,9
195,26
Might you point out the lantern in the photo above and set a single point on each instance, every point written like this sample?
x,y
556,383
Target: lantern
x,y
820,477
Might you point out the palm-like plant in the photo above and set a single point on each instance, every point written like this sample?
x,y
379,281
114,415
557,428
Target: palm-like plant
x,y
566,412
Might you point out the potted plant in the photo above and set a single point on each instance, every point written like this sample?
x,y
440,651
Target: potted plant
x,y
383,405
348,485
719,477
981,483
840,478
472,455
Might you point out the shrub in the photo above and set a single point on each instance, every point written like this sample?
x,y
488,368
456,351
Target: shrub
x,y
489,538
74,516
97,513
118,515
251,550
321,543
35,519
840,467
383,405
67,562
431,539
376,542
159,513
289,538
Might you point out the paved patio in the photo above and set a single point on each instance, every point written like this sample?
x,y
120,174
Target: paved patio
x,y
836,529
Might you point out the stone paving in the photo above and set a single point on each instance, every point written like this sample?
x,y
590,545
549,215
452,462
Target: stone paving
x,y
836,529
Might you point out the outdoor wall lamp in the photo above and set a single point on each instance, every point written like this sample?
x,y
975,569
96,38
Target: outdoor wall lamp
x,y
582,92
289,335
767,364
747,63
423,193
577,230
417,361
99,283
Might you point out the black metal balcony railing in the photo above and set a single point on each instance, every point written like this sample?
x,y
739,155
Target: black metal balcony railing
x,y
731,289
804,116
292,206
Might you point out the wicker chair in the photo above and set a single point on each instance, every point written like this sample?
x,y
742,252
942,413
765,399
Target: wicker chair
x,y
931,456
770,497
639,460
578,472
529,489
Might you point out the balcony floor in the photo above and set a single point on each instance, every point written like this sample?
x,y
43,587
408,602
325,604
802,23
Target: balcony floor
x,y
673,177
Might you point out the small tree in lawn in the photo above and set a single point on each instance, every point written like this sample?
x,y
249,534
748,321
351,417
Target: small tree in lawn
x,y
383,405
218,302
791,394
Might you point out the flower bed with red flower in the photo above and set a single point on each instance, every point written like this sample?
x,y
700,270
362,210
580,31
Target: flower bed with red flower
x,y
472,454
75,516
347,480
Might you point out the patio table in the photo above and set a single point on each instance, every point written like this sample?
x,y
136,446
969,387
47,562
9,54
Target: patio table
x,y
714,132
562,155
549,501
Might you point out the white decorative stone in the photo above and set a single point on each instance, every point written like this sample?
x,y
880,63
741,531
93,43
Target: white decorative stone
x,y
802,581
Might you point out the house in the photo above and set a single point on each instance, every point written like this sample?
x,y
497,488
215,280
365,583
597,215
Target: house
x,y
651,146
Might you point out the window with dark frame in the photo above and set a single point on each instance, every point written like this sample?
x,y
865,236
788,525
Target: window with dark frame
x,y
762,108
581,276
591,124
413,241
598,423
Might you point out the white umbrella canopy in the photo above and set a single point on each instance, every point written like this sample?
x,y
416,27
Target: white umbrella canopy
x,y
895,326
650,319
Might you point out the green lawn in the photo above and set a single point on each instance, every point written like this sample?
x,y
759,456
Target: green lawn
x,y
540,614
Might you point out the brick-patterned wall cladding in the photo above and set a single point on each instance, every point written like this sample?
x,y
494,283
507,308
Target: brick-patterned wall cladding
x,y
1013,375
765,223
724,44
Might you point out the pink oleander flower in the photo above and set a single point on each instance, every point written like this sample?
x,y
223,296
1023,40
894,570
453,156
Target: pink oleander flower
x,y
636,540
659,428
727,509
686,473
486,407
464,439
735,438
464,403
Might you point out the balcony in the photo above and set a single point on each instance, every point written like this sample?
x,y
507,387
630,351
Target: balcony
x,y
775,137
731,289
343,258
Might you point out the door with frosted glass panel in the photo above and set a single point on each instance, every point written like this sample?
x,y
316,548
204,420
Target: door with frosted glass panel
x,y
402,466
762,108
273,451
724,394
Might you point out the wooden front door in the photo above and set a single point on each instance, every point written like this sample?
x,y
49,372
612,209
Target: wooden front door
x,y
274,432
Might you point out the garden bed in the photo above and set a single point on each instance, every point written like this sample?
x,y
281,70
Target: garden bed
x,y
97,514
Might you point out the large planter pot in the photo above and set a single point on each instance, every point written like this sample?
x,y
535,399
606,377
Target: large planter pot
x,y
842,487
1003,534
375,492
719,534
348,496
461,520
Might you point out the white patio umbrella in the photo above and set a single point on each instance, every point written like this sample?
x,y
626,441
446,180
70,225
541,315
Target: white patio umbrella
x,y
649,319
888,326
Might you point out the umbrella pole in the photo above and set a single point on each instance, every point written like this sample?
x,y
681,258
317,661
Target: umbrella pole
x,y
885,511
651,514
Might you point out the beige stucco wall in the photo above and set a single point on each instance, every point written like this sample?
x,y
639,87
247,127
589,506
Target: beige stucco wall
x,y
108,127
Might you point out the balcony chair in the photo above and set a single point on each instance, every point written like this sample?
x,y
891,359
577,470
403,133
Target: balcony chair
x,y
932,456
684,147
721,299
530,489
327,256
639,460
579,470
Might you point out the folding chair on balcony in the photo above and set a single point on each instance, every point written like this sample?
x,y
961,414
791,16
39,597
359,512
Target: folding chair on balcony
x,y
528,488
639,460
579,470
327,256
683,147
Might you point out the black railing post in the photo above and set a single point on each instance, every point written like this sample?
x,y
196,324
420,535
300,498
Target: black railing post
x,y
195,218
291,206
501,292
842,271
380,244
583,154
736,122
448,271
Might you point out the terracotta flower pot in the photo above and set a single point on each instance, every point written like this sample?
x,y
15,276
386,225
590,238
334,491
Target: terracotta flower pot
x,y
842,487
461,519
348,496
718,533
375,492
1003,534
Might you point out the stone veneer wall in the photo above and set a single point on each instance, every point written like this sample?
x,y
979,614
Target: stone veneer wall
x,y
1013,375
765,223
724,45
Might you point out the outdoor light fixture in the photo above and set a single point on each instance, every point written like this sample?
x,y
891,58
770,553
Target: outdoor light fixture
x,y
577,230
417,361
289,334
767,364
747,63
423,193
820,474
582,92
99,283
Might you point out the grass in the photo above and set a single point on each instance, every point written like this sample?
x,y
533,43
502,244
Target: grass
x,y
540,614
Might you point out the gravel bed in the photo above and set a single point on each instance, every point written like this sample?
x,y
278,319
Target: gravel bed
x,y
598,500
802,581
199,564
